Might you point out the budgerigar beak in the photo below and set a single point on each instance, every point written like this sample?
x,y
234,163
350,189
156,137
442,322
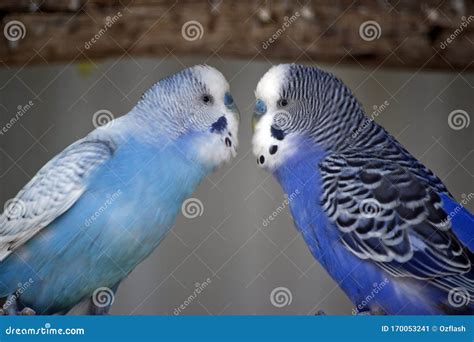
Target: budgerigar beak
x,y
255,119
260,109
236,112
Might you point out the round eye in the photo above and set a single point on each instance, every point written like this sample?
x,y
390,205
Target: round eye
x,y
282,102
207,99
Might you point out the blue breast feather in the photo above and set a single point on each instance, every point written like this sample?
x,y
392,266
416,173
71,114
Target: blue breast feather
x,y
130,204
364,282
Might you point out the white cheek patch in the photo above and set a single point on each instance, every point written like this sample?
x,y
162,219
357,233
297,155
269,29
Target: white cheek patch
x,y
270,152
213,151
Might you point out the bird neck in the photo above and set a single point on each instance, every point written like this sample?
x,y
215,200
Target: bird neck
x,y
151,127
364,132
298,173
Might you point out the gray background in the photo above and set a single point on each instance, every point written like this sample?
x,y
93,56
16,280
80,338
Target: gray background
x,y
228,243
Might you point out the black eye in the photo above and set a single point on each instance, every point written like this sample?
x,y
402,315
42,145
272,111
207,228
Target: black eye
x,y
282,102
207,99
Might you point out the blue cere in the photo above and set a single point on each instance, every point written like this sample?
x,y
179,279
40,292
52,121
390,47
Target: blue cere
x,y
228,100
260,107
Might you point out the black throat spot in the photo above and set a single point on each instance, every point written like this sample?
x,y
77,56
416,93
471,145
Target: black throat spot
x,y
278,134
219,126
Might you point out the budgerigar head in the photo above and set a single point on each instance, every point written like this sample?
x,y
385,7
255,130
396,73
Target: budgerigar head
x,y
299,107
193,107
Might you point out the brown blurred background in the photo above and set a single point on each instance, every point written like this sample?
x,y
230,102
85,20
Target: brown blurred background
x,y
75,58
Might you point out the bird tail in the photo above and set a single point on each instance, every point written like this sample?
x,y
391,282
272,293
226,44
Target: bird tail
x,y
460,291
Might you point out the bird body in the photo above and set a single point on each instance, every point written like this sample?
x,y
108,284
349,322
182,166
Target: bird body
x,y
371,214
360,279
131,178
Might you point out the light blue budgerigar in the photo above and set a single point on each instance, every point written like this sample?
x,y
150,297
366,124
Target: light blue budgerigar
x,y
383,225
101,206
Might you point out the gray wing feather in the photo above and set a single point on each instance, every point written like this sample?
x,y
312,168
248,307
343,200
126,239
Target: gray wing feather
x,y
51,192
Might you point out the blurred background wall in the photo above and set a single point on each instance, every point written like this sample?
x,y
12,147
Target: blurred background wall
x,y
244,259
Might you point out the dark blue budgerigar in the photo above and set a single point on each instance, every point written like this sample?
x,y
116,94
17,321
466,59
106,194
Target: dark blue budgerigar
x,y
102,205
382,224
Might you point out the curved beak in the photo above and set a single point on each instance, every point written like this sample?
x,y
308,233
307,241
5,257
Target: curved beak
x,y
259,111
255,119
235,110
230,104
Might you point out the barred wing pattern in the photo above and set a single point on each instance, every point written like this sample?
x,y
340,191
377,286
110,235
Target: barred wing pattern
x,y
51,192
393,216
